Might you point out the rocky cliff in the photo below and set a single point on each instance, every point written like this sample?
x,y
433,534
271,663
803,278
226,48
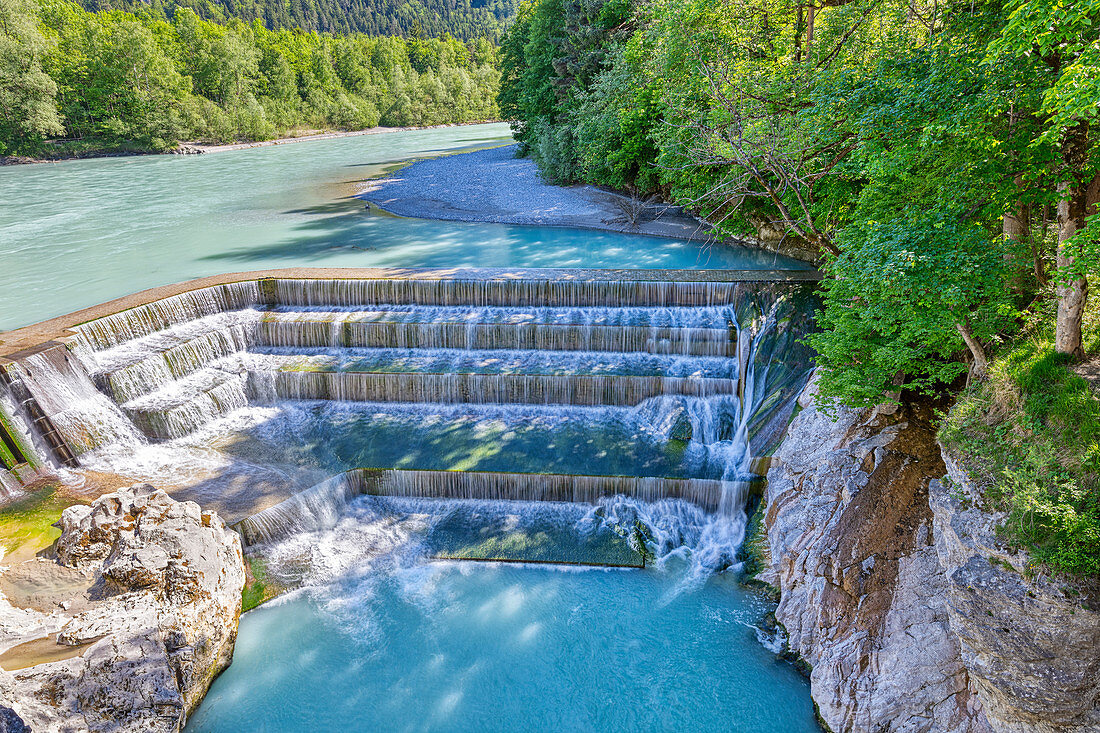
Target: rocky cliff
x,y
165,583
1031,643
901,601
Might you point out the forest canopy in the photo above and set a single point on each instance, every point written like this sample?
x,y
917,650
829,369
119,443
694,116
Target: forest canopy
x,y
938,159
464,19
141,81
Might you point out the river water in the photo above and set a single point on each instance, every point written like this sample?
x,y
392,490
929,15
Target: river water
x,y
382,635
77,233
384,639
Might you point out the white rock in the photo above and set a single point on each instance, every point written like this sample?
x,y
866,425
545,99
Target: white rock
x,y
169,581
862,593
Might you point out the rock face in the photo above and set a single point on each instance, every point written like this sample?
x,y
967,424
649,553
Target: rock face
x,y
168,580
895,591
1031,645
862,593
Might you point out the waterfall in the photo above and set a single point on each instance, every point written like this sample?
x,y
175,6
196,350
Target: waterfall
x,y
511,292
542,487
319,507
10,487
175,413
61,389
498,361
497,388
159,315
306,330
19,420
710,369
162,367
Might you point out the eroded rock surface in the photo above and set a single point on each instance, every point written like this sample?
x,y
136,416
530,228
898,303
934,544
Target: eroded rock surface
x,y
898,593
167,581
863,595
1030,643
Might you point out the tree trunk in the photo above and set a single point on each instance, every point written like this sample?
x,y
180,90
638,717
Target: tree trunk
x,y
810,12
1038,248
1073,290
1017,234
798,29
1039,264
979,364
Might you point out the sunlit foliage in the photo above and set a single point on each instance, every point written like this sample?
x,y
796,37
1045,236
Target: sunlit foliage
x,y
114,79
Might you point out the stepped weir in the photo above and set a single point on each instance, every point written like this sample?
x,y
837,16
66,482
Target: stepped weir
x,y
703,364
319,506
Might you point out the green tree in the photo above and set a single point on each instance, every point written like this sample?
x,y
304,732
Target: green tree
x,y
1066,38
28,107
902,297
138,81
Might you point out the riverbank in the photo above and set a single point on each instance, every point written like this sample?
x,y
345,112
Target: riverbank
x,y
495,186
200,148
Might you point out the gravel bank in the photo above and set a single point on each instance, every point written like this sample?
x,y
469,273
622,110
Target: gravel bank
x,y
495,186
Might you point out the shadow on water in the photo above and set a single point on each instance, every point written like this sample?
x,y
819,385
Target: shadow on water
x,y
340,226
475,145
346,205
348,227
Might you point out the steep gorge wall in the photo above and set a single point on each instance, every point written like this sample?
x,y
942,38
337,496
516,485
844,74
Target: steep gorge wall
x,y
1031,643
901,602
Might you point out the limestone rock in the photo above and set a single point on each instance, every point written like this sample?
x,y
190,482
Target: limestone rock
x,y
1031,645
169,580
862,592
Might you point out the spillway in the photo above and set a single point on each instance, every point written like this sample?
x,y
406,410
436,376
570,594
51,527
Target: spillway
x,y
320,506
574,368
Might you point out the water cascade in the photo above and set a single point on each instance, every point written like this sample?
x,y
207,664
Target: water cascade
x,y
703,366
320,506
162,314
500,388
9,485
54,391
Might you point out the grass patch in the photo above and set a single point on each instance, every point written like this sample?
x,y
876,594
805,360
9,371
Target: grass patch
x,y
259,587
27,523
1030,436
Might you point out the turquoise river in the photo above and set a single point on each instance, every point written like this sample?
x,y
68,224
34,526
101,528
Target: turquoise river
x,y
396,621
80,232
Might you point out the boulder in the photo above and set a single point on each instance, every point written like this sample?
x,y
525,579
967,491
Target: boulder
x,y
167,587
1031,642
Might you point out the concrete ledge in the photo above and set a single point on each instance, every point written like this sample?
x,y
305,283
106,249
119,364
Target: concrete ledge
x,y
23,342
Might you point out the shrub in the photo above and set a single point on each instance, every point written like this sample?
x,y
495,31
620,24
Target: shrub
x,y
1031,434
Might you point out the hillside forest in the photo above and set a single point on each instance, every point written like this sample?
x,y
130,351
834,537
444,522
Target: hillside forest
x,y
74,81
466,20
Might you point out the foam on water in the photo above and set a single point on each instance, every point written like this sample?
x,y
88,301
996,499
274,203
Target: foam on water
x,y
561,383
405,643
